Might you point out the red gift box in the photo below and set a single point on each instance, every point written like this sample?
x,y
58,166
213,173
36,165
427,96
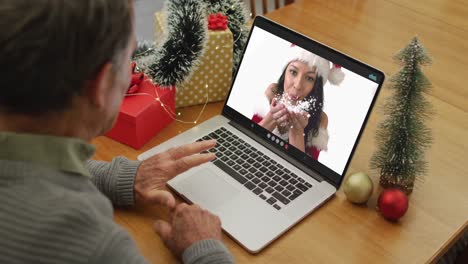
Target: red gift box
x,y
142,116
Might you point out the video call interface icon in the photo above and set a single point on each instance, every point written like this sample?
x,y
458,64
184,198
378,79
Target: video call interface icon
x,y
277,141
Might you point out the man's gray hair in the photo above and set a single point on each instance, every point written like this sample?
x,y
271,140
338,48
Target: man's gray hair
x,y
49,49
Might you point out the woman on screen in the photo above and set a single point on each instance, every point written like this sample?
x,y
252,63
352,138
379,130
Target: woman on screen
x,y
293,110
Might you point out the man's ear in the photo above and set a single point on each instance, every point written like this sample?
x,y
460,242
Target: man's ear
x,y
98,88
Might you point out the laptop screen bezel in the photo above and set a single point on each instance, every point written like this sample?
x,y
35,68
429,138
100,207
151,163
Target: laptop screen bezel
x,y
326,52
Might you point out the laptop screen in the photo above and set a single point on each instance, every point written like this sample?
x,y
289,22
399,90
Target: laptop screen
x,y
305,99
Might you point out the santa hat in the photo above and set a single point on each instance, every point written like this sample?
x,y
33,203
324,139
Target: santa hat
x,y
325,69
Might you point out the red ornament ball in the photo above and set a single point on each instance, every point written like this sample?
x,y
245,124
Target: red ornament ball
x,y
392,204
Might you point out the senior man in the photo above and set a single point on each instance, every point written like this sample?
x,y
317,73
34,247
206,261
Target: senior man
x,y
65,68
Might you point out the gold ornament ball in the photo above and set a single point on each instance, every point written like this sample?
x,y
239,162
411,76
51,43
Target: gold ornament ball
x,y
358,187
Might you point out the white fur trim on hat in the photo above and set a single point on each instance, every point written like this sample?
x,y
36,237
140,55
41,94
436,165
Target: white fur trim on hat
x,y
325,68
336,75
262,107
321,140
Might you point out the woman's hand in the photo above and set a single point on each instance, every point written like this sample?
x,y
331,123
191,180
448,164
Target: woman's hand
x,y
299,121
277,116
279,113
296,132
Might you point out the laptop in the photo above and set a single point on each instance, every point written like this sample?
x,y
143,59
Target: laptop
x,y
263,182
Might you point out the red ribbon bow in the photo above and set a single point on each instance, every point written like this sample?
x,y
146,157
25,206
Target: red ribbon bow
x,y
217,22
137,79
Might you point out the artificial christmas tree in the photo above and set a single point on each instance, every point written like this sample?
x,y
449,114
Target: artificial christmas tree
x,y
403,136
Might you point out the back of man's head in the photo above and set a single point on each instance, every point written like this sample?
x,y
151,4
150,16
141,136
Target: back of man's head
x,y
49,49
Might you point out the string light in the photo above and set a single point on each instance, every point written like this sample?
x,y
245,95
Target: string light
x,y
238,38
167,109
180,87
143,52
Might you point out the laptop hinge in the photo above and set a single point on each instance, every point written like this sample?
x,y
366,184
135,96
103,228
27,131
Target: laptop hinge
x,y
283,155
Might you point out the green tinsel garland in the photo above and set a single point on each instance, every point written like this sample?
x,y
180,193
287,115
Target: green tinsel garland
x,y
237,17
173,61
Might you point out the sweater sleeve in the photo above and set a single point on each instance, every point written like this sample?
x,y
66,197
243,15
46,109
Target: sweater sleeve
x,y
115,179
208,251
117,247
454,252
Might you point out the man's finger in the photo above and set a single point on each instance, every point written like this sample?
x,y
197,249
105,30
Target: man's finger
x,y
180,208
163,229
163,198
191,148
189,162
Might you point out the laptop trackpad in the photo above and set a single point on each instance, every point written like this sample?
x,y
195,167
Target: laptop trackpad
x,y
207,189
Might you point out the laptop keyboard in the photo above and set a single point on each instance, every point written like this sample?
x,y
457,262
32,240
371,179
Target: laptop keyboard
x,y
256,171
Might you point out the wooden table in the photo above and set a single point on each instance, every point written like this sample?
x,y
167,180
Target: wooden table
x,y
341,232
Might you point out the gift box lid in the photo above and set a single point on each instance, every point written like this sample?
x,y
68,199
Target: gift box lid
x,y
146,97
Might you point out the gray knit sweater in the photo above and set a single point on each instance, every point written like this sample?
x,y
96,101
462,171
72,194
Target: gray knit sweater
x,y
53,209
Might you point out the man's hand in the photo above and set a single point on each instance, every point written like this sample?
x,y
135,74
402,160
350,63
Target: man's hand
x,y
188,225
153,173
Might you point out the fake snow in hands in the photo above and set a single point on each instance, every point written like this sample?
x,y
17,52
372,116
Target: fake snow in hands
x,y
296,106
300,106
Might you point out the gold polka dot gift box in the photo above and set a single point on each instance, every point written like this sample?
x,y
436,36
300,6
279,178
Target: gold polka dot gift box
x,y
211,79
